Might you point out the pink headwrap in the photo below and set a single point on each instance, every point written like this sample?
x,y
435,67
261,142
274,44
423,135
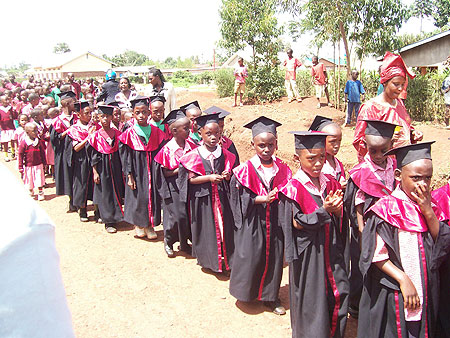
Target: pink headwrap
x,y
393,65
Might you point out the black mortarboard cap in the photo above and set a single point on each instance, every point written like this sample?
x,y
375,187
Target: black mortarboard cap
x,y
140,101
67,95
263,125
191,105
107,110
203,120
309,139
113,103
380,128
173,116
319,122
81,105
214,109
410,153
160,98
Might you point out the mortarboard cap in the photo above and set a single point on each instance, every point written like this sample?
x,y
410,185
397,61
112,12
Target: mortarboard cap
x,y
214,109
203,120
107,110
156,98
193,104
309,139
81,105
263,125
173,116
140,101
380,128
67,95
319,122
113,103
410,153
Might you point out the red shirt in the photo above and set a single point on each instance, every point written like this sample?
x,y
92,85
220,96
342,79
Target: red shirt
x,y
318,74
291,67
30,155
7,118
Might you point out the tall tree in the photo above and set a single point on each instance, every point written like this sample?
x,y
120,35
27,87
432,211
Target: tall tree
x,y
422,9
441,13
61,48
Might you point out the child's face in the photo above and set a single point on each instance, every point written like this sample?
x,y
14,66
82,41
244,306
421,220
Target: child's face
x,y
333,142
23,96
394,87
377,146
192,114
157,111
210,134
85,115
35,102
23,120
31,131
117,115
105,120
265,145
354,75
141,115
39,117
311,160
4,101
415,174
181,128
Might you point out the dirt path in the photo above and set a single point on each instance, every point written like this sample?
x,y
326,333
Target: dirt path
x,y
120,286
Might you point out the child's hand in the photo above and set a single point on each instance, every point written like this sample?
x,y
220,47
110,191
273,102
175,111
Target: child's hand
x,y
91,130
214,178
131,182
333,202
417,136
226,175
96,178
272,196
422,197
343,183
410,297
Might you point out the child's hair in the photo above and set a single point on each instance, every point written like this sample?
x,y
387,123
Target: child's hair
x,y
65,88
36,112
53,112
3,97
32,97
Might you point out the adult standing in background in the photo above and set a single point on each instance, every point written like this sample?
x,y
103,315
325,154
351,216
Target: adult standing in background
x,y
159,86
320,80
28,82
388,106
126,94
76,88
55,91
291,64
109,89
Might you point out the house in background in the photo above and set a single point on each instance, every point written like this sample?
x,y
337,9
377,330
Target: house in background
x,y
82,66
427,54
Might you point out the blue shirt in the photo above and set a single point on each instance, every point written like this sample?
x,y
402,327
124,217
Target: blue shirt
x,y
354,89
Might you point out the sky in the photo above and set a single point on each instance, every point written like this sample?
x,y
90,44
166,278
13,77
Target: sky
x,y
158,29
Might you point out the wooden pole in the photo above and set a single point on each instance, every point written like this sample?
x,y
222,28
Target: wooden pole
x,y
339,77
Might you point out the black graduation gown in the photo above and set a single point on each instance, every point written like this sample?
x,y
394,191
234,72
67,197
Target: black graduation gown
x,y
381,311
63,154
257,263
206,244
139,204
318,282
108,195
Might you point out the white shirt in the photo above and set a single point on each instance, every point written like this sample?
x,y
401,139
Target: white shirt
x,y
304,179
266,173
210,156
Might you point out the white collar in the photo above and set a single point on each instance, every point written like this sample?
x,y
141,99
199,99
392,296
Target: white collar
x,y
305,180
29,142
256,161
205,153
82,126
376,167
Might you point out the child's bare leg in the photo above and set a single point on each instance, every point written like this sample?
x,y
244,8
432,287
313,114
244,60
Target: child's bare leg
x,y
235,100
5,149
13,149
240,97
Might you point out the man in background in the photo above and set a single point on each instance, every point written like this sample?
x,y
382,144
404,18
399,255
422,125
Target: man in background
x,y
291,64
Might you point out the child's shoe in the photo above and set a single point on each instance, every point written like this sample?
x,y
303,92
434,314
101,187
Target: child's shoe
x,y
150,232
41,196
140,232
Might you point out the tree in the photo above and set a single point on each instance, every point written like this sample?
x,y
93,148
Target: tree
x,y
422,9
441,13
61,48
128,58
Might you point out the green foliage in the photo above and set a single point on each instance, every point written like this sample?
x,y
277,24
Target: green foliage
x,y
441,13
136,79
425,101
61,48
128,58
204,78
370,81
182,78
265,83
16,69
224,80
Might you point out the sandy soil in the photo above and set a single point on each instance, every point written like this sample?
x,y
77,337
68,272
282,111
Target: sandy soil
x,y
120,286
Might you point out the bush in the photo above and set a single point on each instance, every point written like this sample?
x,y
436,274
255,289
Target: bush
x,y
182,78
266,83
204,78
136,79
224,79
304,84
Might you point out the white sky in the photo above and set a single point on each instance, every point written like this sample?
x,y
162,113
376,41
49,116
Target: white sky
x,y
180,27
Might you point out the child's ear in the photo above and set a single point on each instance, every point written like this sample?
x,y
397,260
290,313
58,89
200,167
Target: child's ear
x,y
398,175
296,158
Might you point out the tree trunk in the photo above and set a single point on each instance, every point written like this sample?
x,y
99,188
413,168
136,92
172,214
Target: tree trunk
x,y
334,69
339,78
344,39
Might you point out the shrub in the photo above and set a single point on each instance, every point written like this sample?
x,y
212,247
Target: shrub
x,y
224,79
266,83
204,78
304,84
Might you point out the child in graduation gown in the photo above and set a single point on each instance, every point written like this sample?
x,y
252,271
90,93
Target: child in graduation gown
x,y
258,237
137,144
203,180
404,241
103,153
175,223
311,203
62,149
192,111
369,180
78,134
225,142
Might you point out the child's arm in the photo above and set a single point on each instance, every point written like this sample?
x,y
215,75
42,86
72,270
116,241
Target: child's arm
x,y
80,145
131,181
96,175
360,217
410,297
267,199
170,173
213,178
422,197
